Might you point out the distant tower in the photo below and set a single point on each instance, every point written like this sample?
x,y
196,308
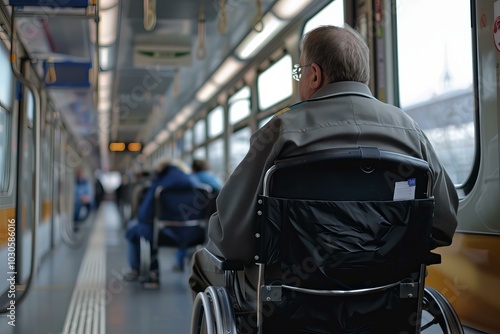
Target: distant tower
x,y
446,78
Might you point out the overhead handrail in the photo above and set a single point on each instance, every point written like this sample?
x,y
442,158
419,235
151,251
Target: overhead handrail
x,y
222,23
201,52
258,24
149,14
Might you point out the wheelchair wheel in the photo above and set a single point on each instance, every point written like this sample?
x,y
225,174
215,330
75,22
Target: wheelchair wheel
x,y
438,314
213,312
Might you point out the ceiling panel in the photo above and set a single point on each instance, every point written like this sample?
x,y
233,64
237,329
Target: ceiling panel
x,y
175,9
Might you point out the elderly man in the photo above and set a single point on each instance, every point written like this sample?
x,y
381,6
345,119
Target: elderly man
x,y
337,110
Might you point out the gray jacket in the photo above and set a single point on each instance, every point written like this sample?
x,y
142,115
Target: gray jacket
x,y
342,114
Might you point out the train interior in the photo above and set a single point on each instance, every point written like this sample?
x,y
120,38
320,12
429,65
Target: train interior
x,y
110,88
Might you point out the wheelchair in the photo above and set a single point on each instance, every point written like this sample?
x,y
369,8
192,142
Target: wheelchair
x,y
342,245
181,215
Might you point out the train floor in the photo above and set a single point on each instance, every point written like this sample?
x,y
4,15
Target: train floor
x,y
80,289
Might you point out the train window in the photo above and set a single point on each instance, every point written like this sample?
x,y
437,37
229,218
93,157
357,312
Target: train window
x,y
199,132
239,146
215,122
6,78
275,83
3,150
331,14
216,157
239,105
30,106
436,88
200,153
188,140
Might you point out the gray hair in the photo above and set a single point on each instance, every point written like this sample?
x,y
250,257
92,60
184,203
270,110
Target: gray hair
x,y
341,53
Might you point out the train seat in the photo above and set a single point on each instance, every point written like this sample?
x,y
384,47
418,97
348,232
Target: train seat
x,y
180,220
341,249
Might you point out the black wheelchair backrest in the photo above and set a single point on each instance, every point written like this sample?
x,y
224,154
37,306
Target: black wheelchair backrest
x,y
347,174
351,212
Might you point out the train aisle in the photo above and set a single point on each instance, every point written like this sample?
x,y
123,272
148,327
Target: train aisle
x,y
80,290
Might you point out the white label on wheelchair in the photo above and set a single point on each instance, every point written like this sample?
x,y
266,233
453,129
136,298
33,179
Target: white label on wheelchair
x,y
405,190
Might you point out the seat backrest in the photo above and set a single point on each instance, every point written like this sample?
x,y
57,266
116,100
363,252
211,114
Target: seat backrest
x,y
181,214
182,204
348,174
344,219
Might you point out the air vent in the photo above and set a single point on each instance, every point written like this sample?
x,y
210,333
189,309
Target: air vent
x,y
165,50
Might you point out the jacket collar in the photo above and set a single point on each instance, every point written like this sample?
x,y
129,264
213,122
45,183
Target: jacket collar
x,y
342,88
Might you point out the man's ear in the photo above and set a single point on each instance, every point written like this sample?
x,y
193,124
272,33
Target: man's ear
x,y
318,78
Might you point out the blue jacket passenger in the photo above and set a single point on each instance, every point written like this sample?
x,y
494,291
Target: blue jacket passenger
x,y
170,176
203,175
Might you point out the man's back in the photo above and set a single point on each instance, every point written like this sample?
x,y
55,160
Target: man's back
x,y
342,114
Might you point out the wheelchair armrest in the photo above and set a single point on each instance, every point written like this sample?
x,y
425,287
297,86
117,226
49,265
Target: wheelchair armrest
x,y
222,263
433,258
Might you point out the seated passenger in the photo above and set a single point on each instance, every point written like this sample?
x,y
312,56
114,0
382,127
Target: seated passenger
x,y
168,175
203,175
82,201
139,190
200,171
337,110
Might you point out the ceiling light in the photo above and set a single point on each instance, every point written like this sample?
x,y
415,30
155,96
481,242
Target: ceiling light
x,y
104,93
256,40
105,80
108,26
187,111
104,105
287,9
226,71
150,148
171,126
105,4
104,57
207,91
162,136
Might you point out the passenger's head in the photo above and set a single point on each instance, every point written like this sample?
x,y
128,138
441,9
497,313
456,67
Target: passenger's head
x,y
332,54
199,165
163,166
79,174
